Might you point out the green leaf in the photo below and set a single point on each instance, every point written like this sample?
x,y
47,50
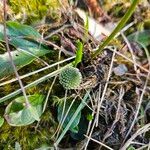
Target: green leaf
x,y
89,117
1,37
34,113
73,118
26,44
117,29
1,121
75,129
15,29
86,27
25,39
82,129
20,59
86,24
2,32
75,105
79,53
131,148
24,115
142,37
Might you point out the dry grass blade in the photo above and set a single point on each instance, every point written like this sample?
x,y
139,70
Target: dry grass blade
x,y
144,147
37,71
105,87
140,98
131,50
62,119
10,56
50,89
88,133
34,83
110,131
138,132
100,143
125,57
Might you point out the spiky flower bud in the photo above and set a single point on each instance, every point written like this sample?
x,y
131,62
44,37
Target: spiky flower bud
x,y
70,78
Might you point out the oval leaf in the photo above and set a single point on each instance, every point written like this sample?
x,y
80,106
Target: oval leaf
x,y
34,113
17,114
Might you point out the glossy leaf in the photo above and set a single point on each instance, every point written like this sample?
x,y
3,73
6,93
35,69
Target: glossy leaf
x,y
25,39
18,114
15,29
20,58
74,116
75,105
34,113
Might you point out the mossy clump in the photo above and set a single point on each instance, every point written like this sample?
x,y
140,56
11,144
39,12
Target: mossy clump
x,y
31,11
70,78
29,137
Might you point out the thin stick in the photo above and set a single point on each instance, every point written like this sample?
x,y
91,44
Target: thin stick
x,y
98,104
105,87
37,71
90,134
117,117
138,132
34,83
141,97
131,50
65,116
49,91
149,146
118,53
10,56
62,115
100,143
138,109
144,147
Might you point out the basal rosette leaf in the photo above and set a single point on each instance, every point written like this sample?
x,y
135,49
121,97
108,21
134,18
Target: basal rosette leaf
x,y
18,114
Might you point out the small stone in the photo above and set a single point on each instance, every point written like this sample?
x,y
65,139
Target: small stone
x,y
120,70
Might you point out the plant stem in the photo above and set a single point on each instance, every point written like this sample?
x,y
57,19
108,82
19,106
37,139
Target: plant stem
x,y
121,24
10,56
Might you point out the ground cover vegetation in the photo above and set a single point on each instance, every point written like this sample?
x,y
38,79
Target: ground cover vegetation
x,y
74,74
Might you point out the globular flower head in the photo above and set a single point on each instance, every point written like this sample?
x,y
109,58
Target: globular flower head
x,y
70,78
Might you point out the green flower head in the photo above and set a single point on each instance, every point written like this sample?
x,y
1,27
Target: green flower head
x,y
70,78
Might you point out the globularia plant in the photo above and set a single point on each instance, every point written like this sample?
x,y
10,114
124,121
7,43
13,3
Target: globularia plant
x,y
70,78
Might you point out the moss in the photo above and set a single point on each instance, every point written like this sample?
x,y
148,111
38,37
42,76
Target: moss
x,y
29,137
34,10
